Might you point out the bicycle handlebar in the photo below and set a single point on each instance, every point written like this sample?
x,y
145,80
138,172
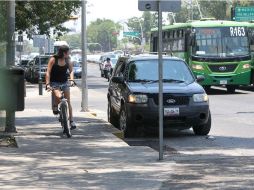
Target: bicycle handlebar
x,y
61,86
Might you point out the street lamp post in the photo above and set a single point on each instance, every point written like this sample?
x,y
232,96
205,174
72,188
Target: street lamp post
x,y
10,114
84,102
141,31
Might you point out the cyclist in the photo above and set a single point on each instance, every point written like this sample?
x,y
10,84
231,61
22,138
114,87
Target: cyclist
x,y
107,67
57,75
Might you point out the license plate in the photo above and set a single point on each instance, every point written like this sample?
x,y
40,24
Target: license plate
x,y
223,81
171,111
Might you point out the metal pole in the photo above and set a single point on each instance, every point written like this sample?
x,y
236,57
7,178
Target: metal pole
x,y
160,67
40,79
10,114
109,39
84,103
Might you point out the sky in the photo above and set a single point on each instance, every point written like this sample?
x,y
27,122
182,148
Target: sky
x,y
112,9
116,10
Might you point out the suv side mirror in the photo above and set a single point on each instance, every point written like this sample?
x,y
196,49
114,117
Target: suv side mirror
x,y
119,80
200,78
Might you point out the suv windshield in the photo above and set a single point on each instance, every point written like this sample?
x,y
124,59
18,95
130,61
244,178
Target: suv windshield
x,y
174,71
44,60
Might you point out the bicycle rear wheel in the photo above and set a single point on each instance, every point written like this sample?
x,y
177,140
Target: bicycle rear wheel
x,y
64,121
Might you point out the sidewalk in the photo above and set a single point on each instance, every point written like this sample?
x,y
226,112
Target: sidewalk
x,y
93,158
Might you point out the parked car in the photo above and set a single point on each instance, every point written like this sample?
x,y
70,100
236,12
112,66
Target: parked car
x,y
32,73
24,63
77,69
133,96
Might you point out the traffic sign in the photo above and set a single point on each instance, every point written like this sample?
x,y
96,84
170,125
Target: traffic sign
x,y
243,13
134,34
19,48
39,41
166,6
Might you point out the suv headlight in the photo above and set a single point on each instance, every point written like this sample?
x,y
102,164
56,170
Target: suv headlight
x,y
200,97
138,98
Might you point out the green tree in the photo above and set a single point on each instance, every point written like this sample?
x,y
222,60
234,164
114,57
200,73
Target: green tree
x,y
217,9
37,17
134,25
74,40
104,32
147,25
3,20
147,22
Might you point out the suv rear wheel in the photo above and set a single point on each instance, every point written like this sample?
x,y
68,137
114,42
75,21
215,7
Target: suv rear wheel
x,y
125,124
204,129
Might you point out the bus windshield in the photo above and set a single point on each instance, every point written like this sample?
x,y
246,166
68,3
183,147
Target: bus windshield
x,y
220,42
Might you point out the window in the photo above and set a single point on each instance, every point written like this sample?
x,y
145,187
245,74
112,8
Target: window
x,y
176,41
119,71
212,42
148,70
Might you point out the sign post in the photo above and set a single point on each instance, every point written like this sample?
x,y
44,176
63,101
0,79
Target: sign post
x,y
84,103
39,41
169,6
160,81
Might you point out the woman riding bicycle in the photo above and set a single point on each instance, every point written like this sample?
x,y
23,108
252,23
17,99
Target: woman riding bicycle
x,y
57,75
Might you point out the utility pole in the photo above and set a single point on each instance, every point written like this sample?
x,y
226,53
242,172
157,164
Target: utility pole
x,y
10,114
84,103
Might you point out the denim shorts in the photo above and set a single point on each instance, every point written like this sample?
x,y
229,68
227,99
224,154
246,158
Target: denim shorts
x,y
57,84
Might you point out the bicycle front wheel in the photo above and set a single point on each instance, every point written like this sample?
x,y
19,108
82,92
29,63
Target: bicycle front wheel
x,y
65,123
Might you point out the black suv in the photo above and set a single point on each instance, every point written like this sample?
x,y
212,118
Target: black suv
x,y
133,96
33,72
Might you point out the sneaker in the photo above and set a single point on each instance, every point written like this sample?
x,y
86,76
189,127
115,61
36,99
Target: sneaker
x,y
73,125
55,110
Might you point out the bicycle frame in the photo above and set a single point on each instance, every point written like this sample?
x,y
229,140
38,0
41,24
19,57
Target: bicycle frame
x,y
63,111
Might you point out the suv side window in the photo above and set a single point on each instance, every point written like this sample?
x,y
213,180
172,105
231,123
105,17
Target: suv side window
x,y
119,71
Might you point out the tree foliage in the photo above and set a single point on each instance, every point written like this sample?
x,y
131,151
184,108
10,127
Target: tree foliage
x,y
104,32
220,10
37,17
3,20
74,40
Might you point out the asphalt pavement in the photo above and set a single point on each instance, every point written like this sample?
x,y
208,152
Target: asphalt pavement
x,y
94,158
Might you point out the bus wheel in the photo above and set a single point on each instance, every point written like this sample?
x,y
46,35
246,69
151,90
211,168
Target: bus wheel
x,y
207,88
231,89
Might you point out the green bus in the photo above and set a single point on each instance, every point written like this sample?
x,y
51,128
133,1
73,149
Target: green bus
x,y
218,50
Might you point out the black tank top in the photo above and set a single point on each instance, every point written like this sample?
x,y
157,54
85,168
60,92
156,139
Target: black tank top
x,y
59,73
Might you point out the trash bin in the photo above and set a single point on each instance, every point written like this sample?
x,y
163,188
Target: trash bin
x,y
12,89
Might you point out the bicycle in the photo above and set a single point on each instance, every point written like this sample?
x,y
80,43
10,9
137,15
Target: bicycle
x,y
63,109
107,72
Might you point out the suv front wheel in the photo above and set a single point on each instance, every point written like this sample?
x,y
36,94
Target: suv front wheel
x,y
125,124
204,129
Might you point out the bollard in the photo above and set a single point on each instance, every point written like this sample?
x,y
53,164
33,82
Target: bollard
x,y
40,87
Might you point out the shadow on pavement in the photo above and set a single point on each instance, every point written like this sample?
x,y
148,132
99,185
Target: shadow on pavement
x,y
223,172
